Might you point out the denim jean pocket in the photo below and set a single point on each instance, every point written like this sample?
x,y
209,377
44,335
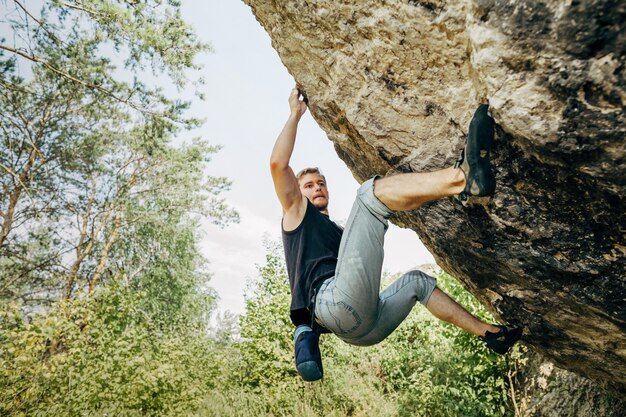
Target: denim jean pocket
x,y
339,317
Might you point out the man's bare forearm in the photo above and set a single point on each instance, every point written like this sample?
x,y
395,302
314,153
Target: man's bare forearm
x,y
283,148
285,182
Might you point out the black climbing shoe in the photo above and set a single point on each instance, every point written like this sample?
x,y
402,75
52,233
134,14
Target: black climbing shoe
x,y
502,341
308,356
474,160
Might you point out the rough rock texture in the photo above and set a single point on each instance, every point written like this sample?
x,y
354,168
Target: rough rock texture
x,y
543,390
394,84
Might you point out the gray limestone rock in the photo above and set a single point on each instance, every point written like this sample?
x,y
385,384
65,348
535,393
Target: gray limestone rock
x,y
394,85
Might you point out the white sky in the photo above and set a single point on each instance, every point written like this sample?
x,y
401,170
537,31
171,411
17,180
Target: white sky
x,y
246,107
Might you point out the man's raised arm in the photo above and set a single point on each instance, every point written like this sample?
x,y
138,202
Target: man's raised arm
x,y
285,182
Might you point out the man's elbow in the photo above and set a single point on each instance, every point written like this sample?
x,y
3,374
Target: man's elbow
x,y
277,166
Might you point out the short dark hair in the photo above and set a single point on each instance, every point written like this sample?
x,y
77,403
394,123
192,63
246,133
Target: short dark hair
x,y
310,170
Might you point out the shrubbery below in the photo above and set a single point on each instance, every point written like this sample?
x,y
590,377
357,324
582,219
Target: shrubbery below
x,y
102,356
106,356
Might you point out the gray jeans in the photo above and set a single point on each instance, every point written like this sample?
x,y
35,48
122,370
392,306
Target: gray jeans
x,y
350,303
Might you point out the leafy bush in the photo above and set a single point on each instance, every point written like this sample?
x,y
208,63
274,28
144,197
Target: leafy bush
x,y
442,370
102,356
111,355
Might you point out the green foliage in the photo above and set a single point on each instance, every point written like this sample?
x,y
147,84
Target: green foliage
x,y
104,294
153,32
103,355
91,185
67,39
266,328
118,354
442,370
80,177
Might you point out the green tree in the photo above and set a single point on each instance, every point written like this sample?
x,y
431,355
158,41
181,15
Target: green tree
x,y
90,180
104,293
266,327
113,358
67,38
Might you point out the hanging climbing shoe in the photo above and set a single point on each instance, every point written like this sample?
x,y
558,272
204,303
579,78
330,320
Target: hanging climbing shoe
x,y
308,356
474,160
502,341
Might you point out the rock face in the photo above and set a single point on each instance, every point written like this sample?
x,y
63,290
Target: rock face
x,y
543,390
395,83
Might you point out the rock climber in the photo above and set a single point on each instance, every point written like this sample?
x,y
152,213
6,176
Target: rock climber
x,y
335,273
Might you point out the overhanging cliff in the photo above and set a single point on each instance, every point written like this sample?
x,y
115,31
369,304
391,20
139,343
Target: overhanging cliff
x,y
395,83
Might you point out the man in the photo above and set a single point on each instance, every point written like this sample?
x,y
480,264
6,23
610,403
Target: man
x,y
335,274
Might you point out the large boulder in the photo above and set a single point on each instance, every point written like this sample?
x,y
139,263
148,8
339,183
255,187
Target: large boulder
x,y
395,83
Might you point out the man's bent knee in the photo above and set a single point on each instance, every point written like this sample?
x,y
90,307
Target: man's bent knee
x,y
368,197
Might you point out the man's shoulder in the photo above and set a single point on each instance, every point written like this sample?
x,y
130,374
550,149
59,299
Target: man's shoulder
x,y
293,218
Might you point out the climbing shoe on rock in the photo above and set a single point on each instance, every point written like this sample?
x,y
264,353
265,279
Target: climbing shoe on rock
x,y
308,356
474,160
502,341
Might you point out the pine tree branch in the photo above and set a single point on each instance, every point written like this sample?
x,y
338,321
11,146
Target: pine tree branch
x,y
80,8
70,77
41,25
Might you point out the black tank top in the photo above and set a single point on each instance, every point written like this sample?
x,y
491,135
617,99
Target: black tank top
x,y
311,251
